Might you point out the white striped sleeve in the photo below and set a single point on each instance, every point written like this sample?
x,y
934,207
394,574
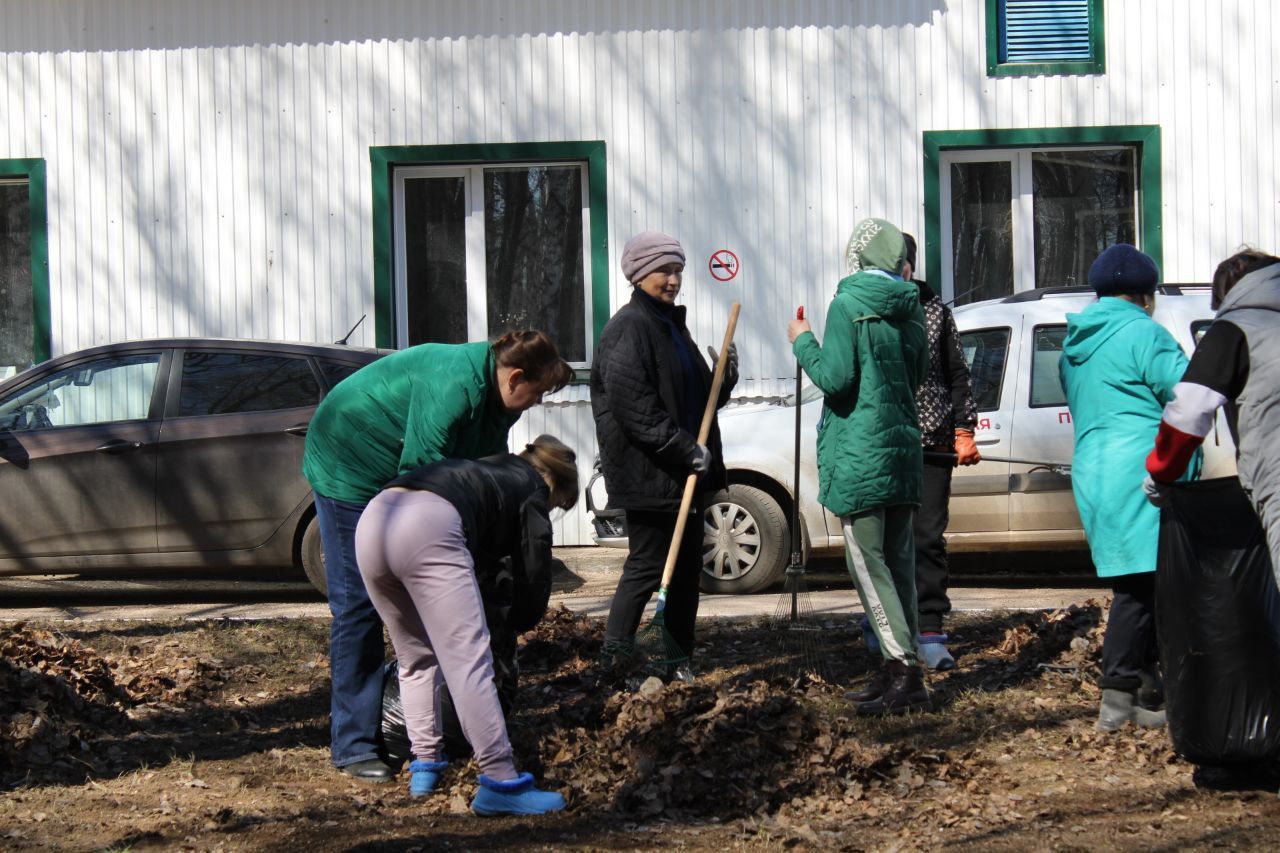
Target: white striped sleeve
x,y
1193,408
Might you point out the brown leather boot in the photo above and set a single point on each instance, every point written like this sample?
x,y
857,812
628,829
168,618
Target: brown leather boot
x,y
875,688
906,692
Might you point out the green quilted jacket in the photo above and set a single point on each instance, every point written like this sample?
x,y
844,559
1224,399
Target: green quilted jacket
x,y
419,405
873,357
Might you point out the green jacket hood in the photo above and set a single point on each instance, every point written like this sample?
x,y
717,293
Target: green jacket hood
x,y
1095,325
876,294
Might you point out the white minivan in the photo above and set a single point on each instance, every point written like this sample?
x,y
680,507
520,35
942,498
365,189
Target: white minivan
x,y
1012,346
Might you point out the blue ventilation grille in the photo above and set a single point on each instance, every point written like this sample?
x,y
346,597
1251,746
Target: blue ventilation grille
x,y
1045,31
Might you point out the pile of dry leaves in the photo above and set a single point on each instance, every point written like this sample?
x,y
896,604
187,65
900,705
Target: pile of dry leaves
x,y
223,729
754,735
59,699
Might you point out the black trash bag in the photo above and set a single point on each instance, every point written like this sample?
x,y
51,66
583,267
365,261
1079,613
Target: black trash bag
x,y
1218,622
395,736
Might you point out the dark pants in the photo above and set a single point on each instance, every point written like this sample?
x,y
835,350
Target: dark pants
x,y
931,546
1129,647
356,648
649,535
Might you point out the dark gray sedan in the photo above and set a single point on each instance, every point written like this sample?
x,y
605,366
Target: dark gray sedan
x,y
172,453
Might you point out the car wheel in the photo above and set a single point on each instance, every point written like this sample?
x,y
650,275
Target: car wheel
x,y
313,557
745,537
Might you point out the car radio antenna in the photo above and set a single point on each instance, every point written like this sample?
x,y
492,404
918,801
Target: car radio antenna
x,y
347,336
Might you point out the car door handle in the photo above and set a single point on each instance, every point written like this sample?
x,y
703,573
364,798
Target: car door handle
x,y
114,448
300,429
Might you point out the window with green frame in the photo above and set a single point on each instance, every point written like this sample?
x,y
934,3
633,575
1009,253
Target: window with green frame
x,y
1013,210
1045,37
472,241
24,266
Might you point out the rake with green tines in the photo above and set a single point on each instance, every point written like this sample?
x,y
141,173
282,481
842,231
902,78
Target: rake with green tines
x,y
655,645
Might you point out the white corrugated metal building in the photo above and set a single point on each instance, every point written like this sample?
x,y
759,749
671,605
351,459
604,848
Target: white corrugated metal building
x,y
279,168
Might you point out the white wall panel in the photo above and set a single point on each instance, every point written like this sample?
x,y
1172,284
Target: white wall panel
x,y
208,162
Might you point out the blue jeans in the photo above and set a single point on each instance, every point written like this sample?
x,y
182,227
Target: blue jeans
x,y
356,649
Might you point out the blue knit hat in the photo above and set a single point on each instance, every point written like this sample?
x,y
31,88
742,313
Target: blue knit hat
x,y
1123,269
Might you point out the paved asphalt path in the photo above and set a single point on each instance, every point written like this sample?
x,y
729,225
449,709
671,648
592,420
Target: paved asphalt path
x,y
585,586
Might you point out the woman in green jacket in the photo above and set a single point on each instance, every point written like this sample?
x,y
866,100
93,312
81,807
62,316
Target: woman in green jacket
x,y
1118,369
419,405
873,357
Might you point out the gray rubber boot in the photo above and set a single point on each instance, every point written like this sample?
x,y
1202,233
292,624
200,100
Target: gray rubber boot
x,y
1120,706
1116,709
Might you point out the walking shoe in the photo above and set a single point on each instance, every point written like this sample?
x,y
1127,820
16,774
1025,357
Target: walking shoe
x,y
1120,706
516,796
370,770
906,692
933,651
875,688
423,776
869,636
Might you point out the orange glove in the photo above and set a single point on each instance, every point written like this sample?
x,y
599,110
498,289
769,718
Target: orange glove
x,y
966,448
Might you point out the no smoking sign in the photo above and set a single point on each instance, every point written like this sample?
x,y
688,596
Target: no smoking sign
x,y
723,265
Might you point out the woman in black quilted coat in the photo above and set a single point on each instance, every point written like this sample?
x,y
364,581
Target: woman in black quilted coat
x,y
649,387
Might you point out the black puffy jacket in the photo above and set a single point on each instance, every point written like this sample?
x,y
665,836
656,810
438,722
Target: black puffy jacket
x,y
636,382
503,503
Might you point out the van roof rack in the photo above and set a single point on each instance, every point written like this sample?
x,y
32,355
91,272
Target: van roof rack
x,y
1072,289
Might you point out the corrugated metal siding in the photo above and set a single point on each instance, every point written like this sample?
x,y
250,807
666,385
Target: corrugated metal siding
x,y
208,163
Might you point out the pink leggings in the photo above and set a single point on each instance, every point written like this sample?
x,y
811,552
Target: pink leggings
x,y
416,566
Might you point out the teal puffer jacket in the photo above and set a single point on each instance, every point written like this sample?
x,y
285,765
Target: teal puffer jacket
x,y
873,357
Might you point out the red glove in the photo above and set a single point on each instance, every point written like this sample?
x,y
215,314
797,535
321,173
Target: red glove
x,y
966,448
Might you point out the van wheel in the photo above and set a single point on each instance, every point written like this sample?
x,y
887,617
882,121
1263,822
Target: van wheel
x,y
313,557
745,537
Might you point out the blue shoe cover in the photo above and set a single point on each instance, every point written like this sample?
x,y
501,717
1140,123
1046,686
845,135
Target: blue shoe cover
x,y
934,653
423,776
517,796
869,636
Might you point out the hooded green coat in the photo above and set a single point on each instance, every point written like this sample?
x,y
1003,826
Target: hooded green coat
x,y
1118,369
873,357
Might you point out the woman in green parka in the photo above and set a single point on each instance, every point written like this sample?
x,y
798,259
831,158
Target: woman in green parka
x,y
1118,369
873,357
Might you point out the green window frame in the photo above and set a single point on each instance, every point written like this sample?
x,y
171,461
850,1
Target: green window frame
x,y
386,159
997,67
33,172
1145,138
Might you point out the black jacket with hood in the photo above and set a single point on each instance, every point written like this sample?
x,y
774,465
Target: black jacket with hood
x,y
636,388
503,503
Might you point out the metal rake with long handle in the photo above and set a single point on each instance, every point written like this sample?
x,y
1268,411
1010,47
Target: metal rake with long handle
x,y
654,644
793,617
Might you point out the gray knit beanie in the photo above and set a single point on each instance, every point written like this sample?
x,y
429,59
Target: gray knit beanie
x,y
647,251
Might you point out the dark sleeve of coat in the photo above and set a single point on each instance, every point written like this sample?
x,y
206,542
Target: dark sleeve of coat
x,y
963,410
531,566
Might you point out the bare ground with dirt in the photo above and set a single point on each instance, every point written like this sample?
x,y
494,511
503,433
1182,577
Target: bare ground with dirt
x,y
212,736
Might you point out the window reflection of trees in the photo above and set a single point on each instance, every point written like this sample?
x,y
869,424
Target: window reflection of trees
x,y
534,253
1085,202
225,383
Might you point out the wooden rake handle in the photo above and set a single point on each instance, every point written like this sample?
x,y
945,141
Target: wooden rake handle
x,y
691,483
